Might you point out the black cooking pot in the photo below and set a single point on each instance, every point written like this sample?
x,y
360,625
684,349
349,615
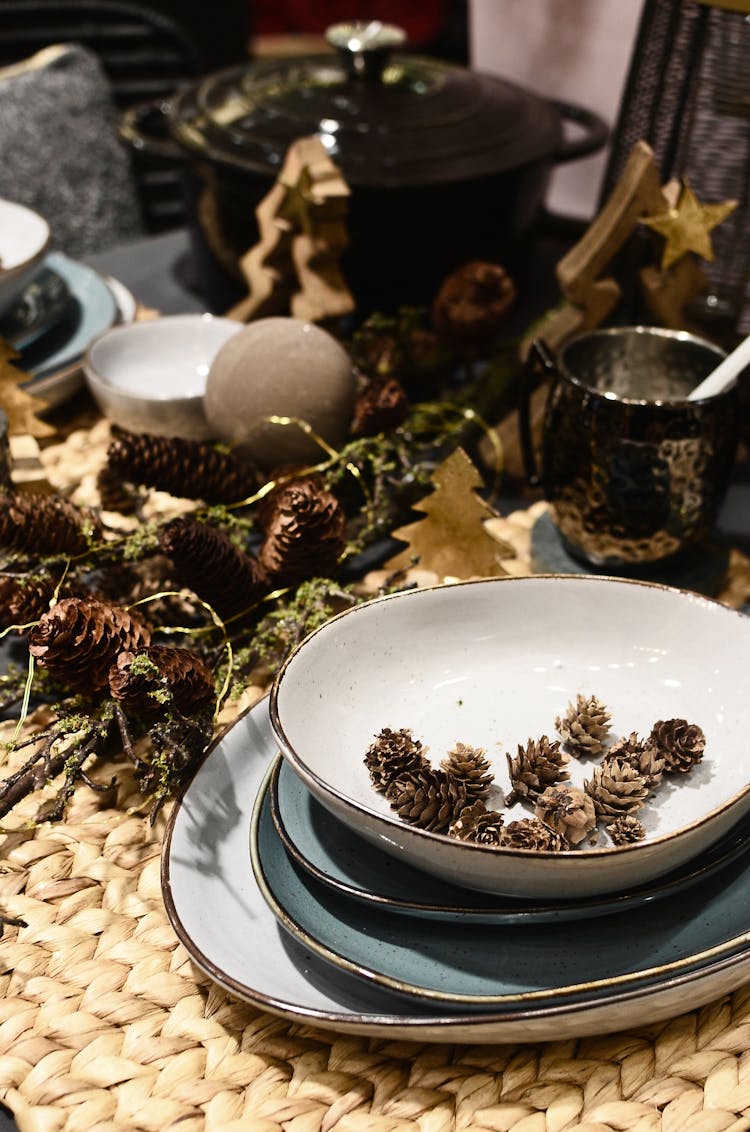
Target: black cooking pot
x,y
444,164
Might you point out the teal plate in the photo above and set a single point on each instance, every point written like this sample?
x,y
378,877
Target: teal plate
x,y
336,857
489,966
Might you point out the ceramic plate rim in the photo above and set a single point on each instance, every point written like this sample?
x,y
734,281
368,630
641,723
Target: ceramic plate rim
x,y
425,837
446,1027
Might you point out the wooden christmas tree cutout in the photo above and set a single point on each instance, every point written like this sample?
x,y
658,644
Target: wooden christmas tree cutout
x,y
452,541
19,406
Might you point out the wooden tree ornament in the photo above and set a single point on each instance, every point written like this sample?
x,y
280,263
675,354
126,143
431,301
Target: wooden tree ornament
x,y
294,267
19,406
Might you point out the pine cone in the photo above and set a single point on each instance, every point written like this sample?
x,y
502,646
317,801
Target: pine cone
x,y
114,493
616,788
380,407
584,727
23,600
44,525
186,468
207,562
569,811
472,767
532,833
472,304
394,754
79,639
284,476
428,798
625,830
143,680
539,765
680,743
478,824
641,754
305,535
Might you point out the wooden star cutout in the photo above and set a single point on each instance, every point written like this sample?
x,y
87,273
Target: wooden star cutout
x,y
686,227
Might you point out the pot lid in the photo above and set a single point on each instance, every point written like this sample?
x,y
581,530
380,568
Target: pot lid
x,y
386,117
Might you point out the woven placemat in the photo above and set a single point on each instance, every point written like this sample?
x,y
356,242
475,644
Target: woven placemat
x,y
105,1025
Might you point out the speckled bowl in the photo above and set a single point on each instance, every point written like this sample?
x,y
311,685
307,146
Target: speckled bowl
x,y
493,663
24,242
151,376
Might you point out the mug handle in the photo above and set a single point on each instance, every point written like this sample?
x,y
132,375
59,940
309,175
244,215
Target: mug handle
x,y
539,363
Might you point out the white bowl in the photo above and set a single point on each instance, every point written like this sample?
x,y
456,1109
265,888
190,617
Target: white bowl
x,y
24,242
493,663
151,376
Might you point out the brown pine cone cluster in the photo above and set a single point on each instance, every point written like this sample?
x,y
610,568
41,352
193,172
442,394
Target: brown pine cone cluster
x,y
45,525
79,639
146,679
208,562
189,469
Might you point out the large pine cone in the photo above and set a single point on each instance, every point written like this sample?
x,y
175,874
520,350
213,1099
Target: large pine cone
x,y
304,536
23,600
532,833
472,304
79,639
641,754
186,468
478,824
680,743
430,799
616,788
139,680
472,767
394,754
380,407
45,525
568,811
584,727
541,763
207,562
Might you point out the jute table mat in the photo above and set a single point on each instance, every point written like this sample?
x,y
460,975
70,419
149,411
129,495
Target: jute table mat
x,y
105,1025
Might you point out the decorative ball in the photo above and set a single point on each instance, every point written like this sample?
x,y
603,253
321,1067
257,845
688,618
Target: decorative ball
x,y
280,367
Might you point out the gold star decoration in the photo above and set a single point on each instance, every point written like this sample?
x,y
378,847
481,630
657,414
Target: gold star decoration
x,y
687,225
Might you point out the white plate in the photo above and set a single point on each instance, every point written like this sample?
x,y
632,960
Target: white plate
x,y
223,921
492,663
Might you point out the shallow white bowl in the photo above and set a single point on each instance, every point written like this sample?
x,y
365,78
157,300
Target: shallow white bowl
x,y
151,376
492,663
24,242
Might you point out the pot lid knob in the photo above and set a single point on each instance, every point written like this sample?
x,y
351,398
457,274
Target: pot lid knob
x,y
365,45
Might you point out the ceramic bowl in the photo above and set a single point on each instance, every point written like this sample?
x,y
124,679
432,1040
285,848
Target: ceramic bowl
x,y
493,663
151,376
24,242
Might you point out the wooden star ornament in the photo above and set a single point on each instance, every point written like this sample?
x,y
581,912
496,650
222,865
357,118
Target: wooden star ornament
x,y
687,225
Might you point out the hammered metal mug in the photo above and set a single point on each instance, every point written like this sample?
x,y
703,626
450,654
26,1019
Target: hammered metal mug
x,y
634,473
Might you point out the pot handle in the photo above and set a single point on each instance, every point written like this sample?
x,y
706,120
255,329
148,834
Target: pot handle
x,y
539,363
595,132
144,128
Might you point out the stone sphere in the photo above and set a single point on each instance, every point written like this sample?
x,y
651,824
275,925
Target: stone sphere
x,y
280,367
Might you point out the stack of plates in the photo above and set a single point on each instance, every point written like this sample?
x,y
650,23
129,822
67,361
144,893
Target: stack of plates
x,y
61,310
288,907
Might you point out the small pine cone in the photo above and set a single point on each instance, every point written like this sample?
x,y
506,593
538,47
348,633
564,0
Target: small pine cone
x,y
472,304
79,639
140,679
584,727
283,477
44,525
428,798
114,493
641,754
626,829
532,833
680,743
569,811
23,600
189,469
208,562
472,767
616,788
394,754
380,407
541,763
305,535
478,824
